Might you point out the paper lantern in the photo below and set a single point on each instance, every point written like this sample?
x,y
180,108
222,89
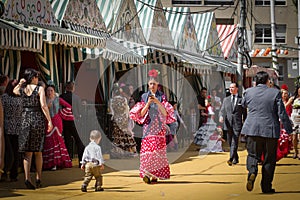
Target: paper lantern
x,y
268,50
256,52
278,51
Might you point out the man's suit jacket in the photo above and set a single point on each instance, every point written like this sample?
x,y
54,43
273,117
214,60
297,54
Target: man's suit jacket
x,y
265,107
233,117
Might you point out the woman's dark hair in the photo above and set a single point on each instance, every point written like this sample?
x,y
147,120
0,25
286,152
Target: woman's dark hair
x,y
70,86
52,86
29,74
10,87
172,102
261,77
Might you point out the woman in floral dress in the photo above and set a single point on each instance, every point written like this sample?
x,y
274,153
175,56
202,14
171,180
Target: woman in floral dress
x,y
154,112
55,154
124,144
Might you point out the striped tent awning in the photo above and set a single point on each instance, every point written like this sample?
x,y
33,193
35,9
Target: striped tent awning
x,y
138,48
17,39
202,24
57,35
146,15
193,64
222,64
176,22
227,35
117,52
200,65
113,51
123,66
109,10
152,54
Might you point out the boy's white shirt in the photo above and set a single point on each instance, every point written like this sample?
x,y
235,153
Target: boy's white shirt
x,y
92,152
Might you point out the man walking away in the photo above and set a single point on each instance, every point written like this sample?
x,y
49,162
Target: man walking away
x,y
262,127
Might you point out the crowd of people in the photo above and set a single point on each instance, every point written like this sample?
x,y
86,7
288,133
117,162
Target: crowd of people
x,y
262,118
35,127
40,123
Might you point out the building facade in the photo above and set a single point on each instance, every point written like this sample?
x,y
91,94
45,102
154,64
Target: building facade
x,y
258,25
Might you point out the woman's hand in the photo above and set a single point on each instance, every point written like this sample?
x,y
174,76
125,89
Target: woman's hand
x,y
22,81
50,126
153,99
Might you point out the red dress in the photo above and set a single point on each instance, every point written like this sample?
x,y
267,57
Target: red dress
x,y
284,141
55,153
153,155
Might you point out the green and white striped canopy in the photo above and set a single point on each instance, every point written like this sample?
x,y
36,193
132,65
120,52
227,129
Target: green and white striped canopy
x,y
15,38
154,23
207,34
11,63
182,28
222,64
114,51
202,24
109,11
59,8
57,35
145,16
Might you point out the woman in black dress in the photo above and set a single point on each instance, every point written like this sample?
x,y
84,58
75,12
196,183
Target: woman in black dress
x,y
31,138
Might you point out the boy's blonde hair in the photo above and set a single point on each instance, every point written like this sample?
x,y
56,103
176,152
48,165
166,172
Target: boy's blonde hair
x,y
95,134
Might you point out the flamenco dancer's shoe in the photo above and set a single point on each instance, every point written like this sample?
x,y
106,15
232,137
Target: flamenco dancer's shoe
x,y
146,179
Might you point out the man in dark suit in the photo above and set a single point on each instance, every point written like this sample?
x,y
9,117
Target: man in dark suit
x,y
201,106
262,127
232,114
69,129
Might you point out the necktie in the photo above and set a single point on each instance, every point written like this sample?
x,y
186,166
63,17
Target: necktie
x,y
233,100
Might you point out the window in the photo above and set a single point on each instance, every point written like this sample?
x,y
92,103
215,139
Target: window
x,y
267,2
218,2
263,33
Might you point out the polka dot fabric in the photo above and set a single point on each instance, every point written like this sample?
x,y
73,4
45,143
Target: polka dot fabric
x,y
153,154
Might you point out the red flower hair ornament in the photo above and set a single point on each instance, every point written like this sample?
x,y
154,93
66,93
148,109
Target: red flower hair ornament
x,y
153,73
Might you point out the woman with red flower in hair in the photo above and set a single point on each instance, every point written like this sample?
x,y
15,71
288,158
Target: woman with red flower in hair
x,y
154,112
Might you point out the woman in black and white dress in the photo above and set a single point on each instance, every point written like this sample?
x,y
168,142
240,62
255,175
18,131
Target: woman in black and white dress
x,y
35,110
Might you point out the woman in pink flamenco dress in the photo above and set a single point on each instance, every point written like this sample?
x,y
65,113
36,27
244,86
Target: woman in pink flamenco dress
x,y
154,112
55,154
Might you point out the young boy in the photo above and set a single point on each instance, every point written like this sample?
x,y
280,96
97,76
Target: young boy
x,y
92,162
